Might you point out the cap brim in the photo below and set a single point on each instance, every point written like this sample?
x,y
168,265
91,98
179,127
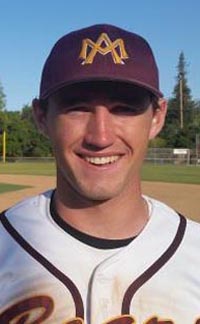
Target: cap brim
x,y
101,78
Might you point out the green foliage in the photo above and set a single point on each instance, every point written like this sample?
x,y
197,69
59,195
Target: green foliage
x,y
2,110
37,144
2,98
158,142
173,133
23,138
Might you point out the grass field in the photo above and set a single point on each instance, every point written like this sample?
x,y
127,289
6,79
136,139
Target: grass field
x,y
171,173
150,172
6,187
32,168
29,168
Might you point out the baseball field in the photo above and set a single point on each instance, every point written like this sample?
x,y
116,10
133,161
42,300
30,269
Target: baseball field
x,y
176,185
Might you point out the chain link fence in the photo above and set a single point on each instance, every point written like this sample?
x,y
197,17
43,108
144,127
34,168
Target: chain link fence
x,y
173,156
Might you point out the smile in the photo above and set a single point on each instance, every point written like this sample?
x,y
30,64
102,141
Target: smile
x,y
102,160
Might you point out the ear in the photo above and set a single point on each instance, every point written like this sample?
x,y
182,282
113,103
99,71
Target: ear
x,y
158,118
39,116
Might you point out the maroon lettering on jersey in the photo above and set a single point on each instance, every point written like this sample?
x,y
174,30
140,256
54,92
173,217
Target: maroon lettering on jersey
x,y
75,321
22,310
123,319
155,320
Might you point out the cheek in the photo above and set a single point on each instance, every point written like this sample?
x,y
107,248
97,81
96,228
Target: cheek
x,y
63,132
136,131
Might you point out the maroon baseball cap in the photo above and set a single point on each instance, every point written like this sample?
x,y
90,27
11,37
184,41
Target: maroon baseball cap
x,y
100,53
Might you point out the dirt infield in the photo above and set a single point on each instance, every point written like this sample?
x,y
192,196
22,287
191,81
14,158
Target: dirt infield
x,y
184,198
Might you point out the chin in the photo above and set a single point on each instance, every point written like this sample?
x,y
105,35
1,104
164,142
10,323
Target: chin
x,y
97,196
100,193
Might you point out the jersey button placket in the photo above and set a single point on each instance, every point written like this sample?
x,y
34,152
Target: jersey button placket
x,y
100,299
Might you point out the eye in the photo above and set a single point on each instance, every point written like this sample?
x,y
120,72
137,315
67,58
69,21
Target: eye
x,y
76,109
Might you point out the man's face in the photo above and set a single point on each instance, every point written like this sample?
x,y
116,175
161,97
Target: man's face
x,y
99,133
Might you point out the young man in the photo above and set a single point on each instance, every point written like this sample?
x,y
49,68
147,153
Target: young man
x,y
95,250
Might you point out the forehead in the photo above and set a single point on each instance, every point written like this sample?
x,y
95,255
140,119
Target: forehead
x,y
113,91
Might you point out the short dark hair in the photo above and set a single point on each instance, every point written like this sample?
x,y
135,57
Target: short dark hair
x,y
154,102
43,104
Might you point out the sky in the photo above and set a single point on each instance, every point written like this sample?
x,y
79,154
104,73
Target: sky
x,y
29,29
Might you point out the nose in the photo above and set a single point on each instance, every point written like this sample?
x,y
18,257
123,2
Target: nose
x,y
100,131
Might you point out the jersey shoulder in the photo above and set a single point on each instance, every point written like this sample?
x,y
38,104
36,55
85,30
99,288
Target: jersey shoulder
x,y
157,206
30,205
192,228
28,213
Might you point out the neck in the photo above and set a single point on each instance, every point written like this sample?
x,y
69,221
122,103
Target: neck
x,y
118,218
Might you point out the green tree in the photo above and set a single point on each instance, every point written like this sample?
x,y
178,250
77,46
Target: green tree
x,y
2,98
16,134
2,109
196,115
37,145
158,142
175,133
2,116
23,138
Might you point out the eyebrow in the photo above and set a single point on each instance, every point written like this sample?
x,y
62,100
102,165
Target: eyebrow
x,y
71,101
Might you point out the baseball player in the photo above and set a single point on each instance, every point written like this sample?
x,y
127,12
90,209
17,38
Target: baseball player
x,y
95,250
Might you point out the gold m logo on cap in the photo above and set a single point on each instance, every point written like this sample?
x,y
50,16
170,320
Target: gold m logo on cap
x,y
110,47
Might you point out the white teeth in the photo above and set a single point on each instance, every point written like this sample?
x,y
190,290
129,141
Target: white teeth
x,y
102,160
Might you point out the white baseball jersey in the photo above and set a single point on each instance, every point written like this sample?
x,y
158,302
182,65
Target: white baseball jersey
x,y
47,275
